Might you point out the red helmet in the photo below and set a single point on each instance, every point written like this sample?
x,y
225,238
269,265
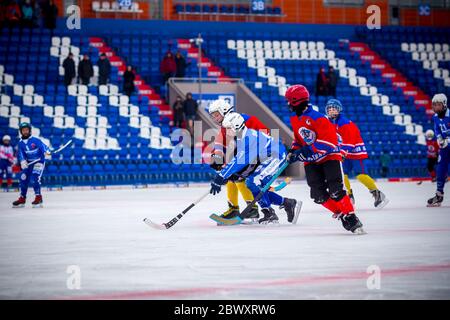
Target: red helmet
x,y
296,94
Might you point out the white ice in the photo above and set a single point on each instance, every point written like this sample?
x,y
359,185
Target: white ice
x,y
101,232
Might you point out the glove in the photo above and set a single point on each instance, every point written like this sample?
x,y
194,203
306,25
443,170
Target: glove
x,y
24,164
216,184
300,154
216,162
48,155
443,143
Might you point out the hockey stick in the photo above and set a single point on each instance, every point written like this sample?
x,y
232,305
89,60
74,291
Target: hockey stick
x,y
170,224
53,151
282,185
238,219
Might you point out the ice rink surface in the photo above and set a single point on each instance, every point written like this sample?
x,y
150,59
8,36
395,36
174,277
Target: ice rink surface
x,y
119,257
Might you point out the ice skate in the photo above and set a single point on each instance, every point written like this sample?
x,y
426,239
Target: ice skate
x,y
436,201
269,216
231,213
252,216
380,199
351,223
292,208
19,203
37,203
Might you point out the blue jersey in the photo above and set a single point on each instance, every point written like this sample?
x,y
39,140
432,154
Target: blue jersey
x,y
252,148
442,126
32,149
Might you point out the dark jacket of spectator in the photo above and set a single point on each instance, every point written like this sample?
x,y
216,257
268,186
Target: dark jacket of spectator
x,y
333,78
50,13
190,107
104,69
28,14
321,83
178,112
181,65
128,81
13,14
69,70
85,70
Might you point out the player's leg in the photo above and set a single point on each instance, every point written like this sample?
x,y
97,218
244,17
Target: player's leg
x,y
9,173
369,183
264,202
431,164
247,195
24,180
441,177
334,178
37,171
347,166
233,202
315,179
2,172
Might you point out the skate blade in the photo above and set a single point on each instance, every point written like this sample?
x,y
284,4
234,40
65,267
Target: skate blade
x,y
359,231
40,205
435,205
274,222
383,204
298,208
250,221
19,206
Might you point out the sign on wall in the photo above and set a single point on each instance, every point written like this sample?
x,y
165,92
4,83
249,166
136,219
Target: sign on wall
x,y
125,3
258,6
424,10
207,98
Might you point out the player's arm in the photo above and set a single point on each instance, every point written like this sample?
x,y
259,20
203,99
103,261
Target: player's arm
x,y
326,137
347,134
21,156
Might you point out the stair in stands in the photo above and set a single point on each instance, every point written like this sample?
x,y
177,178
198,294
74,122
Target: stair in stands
x,y
367,55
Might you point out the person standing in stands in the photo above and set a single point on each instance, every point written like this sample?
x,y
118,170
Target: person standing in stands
x,y
190,107
181,64
128,81
13,15
104,69
85,70
28,14
321,84
385,162
50,13
168,67
178,114
69,69
6,161
332,80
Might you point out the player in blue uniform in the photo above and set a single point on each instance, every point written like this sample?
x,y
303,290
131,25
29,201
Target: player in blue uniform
x,y
258,157
441,121
31,157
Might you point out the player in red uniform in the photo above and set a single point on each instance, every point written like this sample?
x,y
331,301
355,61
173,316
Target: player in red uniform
x,y
432,153
316,144
218,109
354,152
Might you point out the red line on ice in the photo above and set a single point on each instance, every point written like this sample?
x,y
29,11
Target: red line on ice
x,y
172,293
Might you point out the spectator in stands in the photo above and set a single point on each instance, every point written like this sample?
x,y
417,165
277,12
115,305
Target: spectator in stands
x,y
104,69
28,14
69,69
128,81
385,161
50,13
181,64
168,67
13,14
333,79
190,107
178,112
321,83
85,70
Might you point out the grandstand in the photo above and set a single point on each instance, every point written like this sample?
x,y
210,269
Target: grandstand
x,y
387,77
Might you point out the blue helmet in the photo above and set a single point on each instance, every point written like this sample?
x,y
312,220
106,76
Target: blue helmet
x,y
333,103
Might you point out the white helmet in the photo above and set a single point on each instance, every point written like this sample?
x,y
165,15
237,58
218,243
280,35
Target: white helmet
x,y
234,121
221,106
429,134
440,97
6,138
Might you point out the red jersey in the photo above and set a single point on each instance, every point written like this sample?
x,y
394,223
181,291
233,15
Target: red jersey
x,y
251,122
314,129
351,144
432,148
